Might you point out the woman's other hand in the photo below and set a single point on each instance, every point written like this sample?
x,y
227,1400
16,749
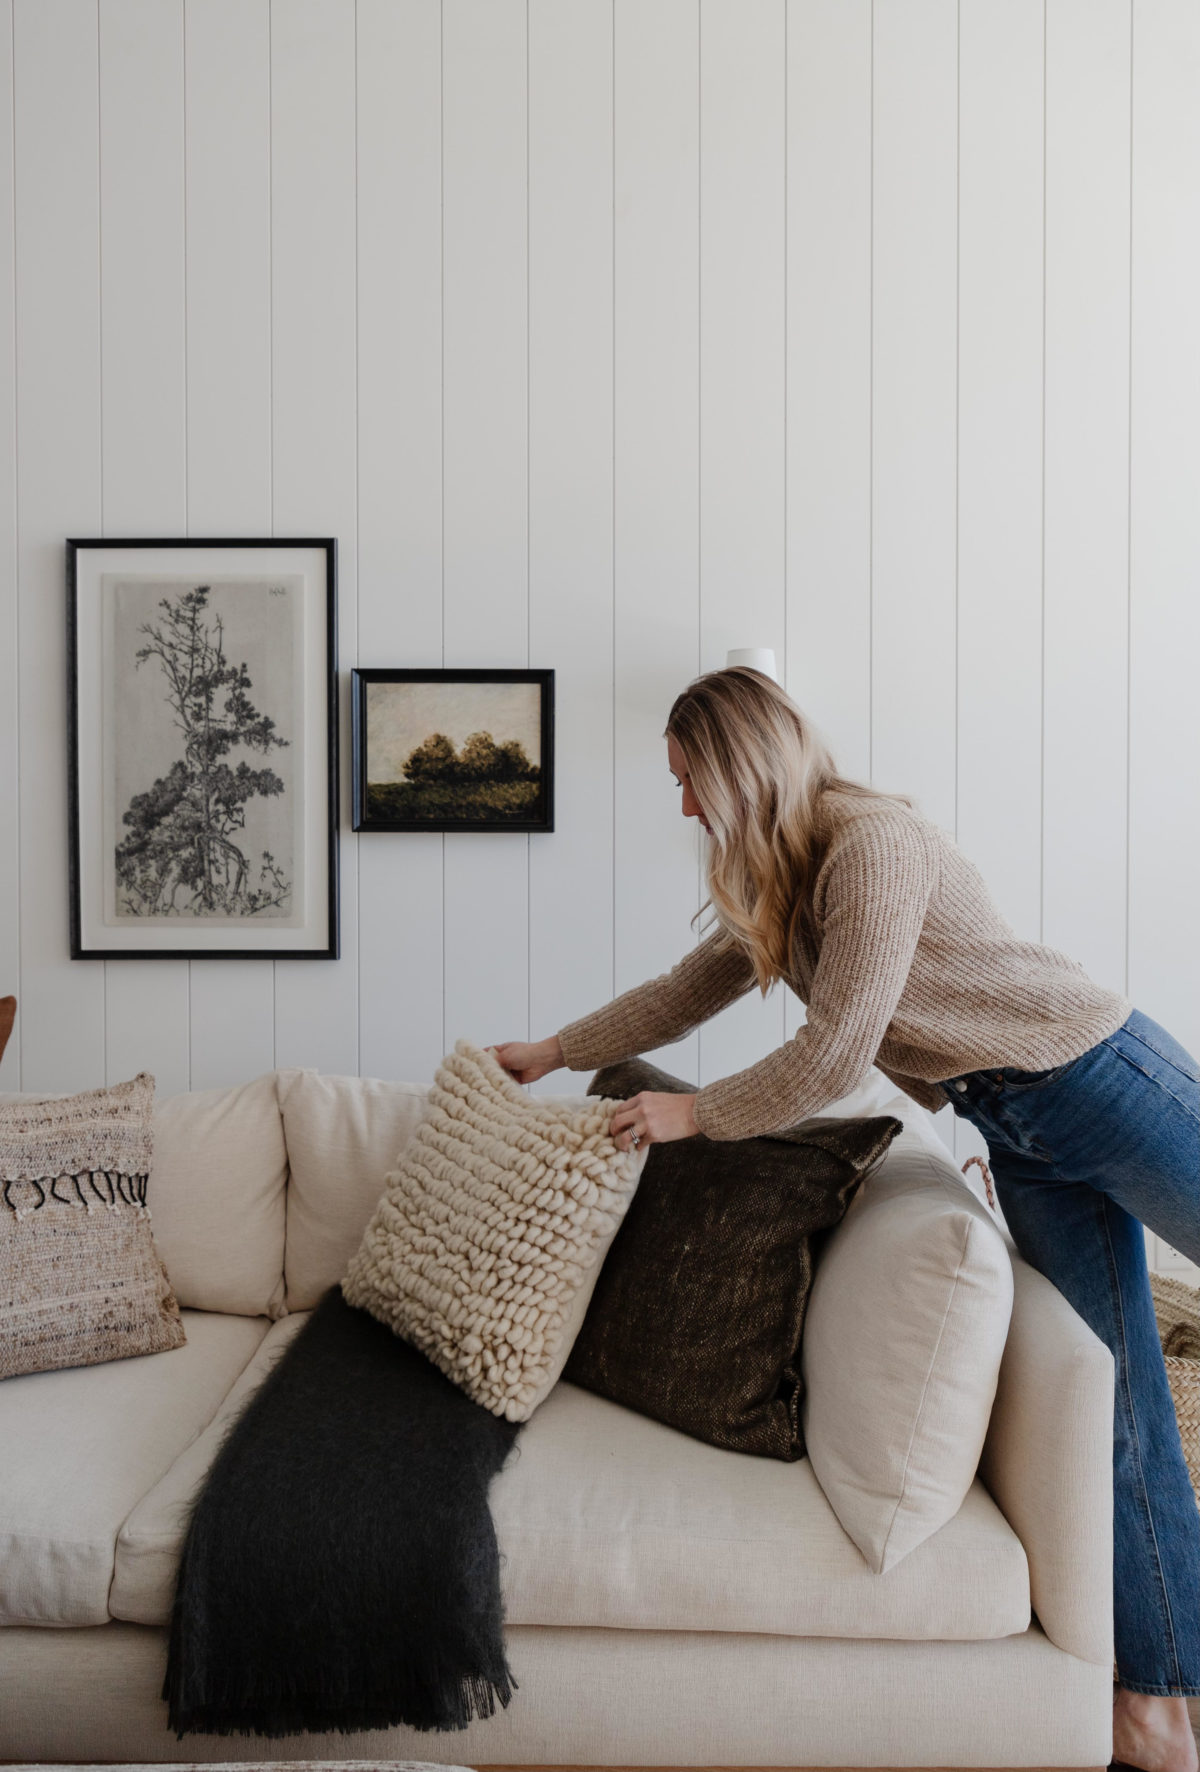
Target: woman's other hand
x,y
655,1117
526,1061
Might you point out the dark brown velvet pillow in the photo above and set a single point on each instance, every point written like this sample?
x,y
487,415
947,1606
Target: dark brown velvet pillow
x,y
698,1310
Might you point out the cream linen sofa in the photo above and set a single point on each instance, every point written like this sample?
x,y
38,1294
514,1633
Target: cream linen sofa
x,y
668,1603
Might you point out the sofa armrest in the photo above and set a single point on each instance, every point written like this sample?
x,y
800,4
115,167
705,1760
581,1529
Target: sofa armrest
x,y
1048,1461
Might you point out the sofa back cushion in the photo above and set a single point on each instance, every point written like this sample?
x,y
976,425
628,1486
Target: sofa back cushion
x,y
906,1326
343,1136
218,1194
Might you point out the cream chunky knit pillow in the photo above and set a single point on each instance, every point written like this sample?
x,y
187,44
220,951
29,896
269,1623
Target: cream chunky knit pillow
x,y
486,1244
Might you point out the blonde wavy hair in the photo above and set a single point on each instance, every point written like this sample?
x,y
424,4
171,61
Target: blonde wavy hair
x,y
759,769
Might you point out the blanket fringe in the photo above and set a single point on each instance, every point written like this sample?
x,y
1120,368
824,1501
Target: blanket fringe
x,y
443,1703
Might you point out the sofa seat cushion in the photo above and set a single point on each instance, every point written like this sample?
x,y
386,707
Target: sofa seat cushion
x,y
605,1517
151,1539
80,1446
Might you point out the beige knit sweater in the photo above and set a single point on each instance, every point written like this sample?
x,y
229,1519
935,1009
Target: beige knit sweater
x,y
908,965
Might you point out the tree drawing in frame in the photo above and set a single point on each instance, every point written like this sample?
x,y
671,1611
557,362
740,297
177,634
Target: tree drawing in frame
x,y
207,833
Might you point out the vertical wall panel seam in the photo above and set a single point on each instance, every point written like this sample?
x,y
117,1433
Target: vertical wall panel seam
x,y
1042,662
100,376
271,384
871,434
613,622
187,507
957,1136
187,371
699,417
957,397
358,944
783,675
528,533
442,438
20,1030
1129,554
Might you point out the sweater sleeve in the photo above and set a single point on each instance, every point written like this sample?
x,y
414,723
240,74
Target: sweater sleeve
x,y
663,1009
876,887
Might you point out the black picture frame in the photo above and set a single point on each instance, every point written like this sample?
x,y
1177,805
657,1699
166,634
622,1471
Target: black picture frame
x,y
310,563
370,818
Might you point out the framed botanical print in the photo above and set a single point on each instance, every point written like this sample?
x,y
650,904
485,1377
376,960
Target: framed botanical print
x,y
453,750
202,747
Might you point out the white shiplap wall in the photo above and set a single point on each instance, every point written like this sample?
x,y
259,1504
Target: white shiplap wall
x,y
607,335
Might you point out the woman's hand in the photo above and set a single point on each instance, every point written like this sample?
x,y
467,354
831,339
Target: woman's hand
x,y
655,1118
526,1062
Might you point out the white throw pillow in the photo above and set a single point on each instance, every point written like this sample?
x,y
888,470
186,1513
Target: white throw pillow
x,y
344,1135
484,1250
906,1325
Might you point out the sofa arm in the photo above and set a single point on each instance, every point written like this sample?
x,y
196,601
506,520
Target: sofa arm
x,y
1048,1461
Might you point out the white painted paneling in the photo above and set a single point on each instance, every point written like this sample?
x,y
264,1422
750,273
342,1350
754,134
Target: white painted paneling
x,y
828,442
657,167
1164,798
914,384
400,498
228,343
829,372
58,480
143,362
999,667
313,428
1000,454
486,487
10,689
724,292
742,380
571,505
1087,483
914,410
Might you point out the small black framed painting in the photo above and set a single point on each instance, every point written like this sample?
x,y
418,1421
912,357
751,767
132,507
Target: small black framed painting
x,y
203,749
453,750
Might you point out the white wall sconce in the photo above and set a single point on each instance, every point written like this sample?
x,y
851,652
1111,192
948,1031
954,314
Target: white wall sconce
x,y
759,658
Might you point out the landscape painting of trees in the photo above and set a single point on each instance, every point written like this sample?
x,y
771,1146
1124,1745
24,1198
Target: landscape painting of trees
x,y
453,750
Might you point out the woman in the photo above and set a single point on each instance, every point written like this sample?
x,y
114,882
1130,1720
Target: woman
x,y
1090,1109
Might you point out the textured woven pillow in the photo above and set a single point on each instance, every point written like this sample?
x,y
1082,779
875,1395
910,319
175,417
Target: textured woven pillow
x,y
485,1246
697,1315
80,1278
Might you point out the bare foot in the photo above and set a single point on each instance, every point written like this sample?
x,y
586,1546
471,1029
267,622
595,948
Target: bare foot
x,y
1153,1733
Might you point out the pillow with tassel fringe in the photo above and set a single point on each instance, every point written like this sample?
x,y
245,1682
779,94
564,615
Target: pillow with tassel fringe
x,y
486,1244
81,1281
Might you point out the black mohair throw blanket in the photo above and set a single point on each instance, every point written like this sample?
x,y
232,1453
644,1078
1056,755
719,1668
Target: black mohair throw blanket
x,y
340,1568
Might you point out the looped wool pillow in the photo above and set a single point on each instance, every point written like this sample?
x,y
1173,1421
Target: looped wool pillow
x,y
486,1244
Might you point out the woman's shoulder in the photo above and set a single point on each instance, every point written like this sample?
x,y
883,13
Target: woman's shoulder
x,y
847,817
871,823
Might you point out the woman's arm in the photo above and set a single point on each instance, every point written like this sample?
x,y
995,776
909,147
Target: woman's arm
x,y
662,1010
879,880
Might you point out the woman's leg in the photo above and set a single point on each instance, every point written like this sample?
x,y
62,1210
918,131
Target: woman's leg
x,y
1080,1154
1094,1252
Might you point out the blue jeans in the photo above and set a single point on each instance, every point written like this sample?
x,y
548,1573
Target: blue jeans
x,y
1080,1153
